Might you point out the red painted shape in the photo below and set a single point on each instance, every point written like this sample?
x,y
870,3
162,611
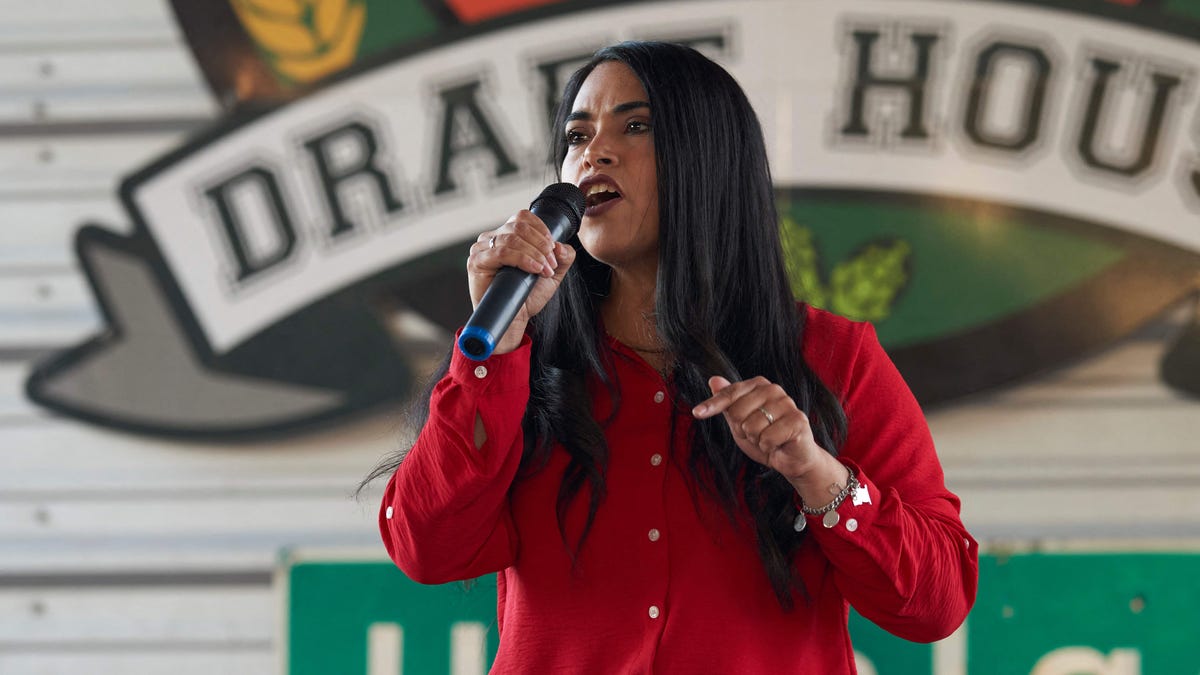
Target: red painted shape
x,y
474,11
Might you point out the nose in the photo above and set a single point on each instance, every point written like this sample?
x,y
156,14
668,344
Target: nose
x,y
599,151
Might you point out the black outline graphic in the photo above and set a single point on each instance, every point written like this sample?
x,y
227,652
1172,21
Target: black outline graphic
x,y
1152,277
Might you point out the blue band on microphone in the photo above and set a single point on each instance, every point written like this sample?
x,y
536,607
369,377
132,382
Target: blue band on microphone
x,y
476,343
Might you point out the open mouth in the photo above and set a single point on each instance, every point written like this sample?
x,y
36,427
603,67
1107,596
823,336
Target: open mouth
x,y
599,194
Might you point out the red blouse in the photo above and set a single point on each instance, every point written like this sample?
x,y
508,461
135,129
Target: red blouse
x,y
666,582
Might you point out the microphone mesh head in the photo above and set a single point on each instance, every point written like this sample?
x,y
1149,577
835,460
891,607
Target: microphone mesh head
x,y
569,196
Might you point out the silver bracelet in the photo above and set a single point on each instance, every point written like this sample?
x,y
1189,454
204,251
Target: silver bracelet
x,y
829,511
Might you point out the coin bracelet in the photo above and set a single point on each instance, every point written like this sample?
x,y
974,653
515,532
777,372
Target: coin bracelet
x,y
829,511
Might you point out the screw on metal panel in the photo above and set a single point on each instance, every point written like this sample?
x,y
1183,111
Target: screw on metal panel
x,y
1137,604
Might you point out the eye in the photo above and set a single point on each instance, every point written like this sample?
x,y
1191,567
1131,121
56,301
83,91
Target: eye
x,y
637,126
575,136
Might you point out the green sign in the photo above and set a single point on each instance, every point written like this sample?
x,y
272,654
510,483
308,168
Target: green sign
x,y
367,618
1036,614
1085,614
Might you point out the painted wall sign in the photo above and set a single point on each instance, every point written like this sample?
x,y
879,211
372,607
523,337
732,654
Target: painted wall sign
x,y
999,186
1037,613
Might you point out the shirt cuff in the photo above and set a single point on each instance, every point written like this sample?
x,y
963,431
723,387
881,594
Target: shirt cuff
x,y
855,515
497,373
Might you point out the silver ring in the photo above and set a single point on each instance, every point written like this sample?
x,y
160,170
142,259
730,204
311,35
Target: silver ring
x,y
492,242
769,416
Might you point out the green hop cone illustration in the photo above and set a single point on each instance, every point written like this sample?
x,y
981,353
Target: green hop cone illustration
x,y
803,264
863,287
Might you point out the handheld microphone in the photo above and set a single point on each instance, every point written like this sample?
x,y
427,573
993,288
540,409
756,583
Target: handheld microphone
x,y
560,206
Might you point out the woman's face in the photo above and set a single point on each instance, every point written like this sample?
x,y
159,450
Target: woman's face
x,y
610,156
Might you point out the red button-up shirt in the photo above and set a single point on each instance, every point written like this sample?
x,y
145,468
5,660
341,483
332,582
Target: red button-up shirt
x,y
666,582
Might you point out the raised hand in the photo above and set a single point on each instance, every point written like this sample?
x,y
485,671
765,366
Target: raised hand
x,y
523,242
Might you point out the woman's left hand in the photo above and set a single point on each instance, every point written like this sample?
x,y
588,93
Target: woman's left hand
x,y
766,425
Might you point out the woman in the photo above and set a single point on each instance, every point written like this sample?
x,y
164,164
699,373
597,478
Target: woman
x,y
671,465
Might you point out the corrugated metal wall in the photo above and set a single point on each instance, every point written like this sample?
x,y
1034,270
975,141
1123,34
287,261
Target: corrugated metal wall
x,y
125,554
122,554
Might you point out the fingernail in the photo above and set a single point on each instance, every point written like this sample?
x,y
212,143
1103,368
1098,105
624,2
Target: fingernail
x,y
699,410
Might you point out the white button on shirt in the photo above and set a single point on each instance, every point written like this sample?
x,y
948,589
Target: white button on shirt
x,y
655,459
653,534
654,611
659,396
481,372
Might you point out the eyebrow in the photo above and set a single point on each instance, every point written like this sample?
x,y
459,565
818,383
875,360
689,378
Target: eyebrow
x,y
618,109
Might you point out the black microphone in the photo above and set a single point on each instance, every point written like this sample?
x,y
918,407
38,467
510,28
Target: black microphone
x,y
561,207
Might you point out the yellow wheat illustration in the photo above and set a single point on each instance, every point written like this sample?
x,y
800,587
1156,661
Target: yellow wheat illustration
x,y
304,39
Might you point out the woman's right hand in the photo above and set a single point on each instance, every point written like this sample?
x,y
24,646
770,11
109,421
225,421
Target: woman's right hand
x,y
523,242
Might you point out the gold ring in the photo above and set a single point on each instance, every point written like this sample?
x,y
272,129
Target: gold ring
x,y
769,416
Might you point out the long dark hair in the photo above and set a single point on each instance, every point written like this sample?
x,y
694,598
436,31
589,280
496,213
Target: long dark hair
x,y
720,249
